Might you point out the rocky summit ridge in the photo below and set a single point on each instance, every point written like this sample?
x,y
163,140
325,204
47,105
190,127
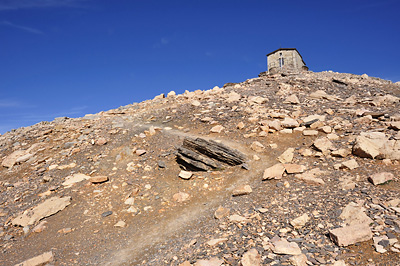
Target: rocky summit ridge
x,y
283,169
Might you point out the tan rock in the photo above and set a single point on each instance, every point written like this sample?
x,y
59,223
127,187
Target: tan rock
x,y
282,246
300,221
98,179
180,196
217,129
237,218
323,144
366,148
310,176
341,153
310,132
258,99
240,125
210,262
289,123
292,99
40,260
251,258
242,190
274,172
185,174
275,125
350,164
294,168
76,178
120,224
286,156
257,146
221,212
299,260
348,235
214,242
354,213
45,209
11,159
380,178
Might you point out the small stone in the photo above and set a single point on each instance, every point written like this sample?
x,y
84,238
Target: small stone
x,y
339,263
274,172
341,153
310,132
140,152
129,201
380,178
292,99
101,141
214,242
242,190
221,212
323,144
98,179
299,260
217,129
120,224
350,164
42,259
40,227
185,174
282,246
294,168
195,103
300,221
348,235
257,146
251,258
289,123
240,125
287,156
107,213
180,197
211,262
237,218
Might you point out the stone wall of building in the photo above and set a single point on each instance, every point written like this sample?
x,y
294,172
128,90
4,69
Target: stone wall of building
x,y
291,60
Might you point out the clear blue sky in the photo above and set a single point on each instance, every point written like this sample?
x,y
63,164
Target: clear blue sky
x,y
73,57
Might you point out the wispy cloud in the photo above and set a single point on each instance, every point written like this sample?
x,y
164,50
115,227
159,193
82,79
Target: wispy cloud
x,y
9,103
25,4
24,28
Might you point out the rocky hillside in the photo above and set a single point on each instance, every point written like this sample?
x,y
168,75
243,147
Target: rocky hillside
x,y
284,169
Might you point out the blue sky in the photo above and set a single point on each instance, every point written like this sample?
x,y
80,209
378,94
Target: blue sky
x,y
73,57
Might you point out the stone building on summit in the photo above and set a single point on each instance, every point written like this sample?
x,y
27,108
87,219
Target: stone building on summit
x,y
288,59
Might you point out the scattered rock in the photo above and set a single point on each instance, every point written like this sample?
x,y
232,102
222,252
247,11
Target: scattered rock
x,y
185,174
380,178
180,197
274,172
217,129
287,156
348,235
98,179
221,212
45,209
42,259
251,258
242,190
257,146
282,246
214,242
300,221
211,262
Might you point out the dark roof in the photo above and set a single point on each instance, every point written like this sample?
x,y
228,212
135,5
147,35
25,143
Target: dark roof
x,y
287,49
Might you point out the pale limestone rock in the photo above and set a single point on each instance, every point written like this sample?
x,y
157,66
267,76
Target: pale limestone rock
x,y
339,263
120,224
217,129
11,159
42,259
237,218
257,99
216,241
317,125
185,174
211,262
310,132
171,94
313,117
299,260
289,123
292,99
195,103
233,97
348,235
45,209
323,144
350,164
275,125
341,153
221,212
242,190
310,176
294,168
257,146
282,246
76,178
251,258
240,125
180,196
274,172
300,221
287,156
366,148
326,129
380,178
354,213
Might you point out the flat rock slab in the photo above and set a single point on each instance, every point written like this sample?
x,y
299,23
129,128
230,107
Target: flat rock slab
x,y
242,190
348,235
282,246
42,259
98,179
274,172
251,258
380,178
76,178
45,209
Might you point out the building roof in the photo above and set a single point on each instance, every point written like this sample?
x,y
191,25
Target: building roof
x,y
287,49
